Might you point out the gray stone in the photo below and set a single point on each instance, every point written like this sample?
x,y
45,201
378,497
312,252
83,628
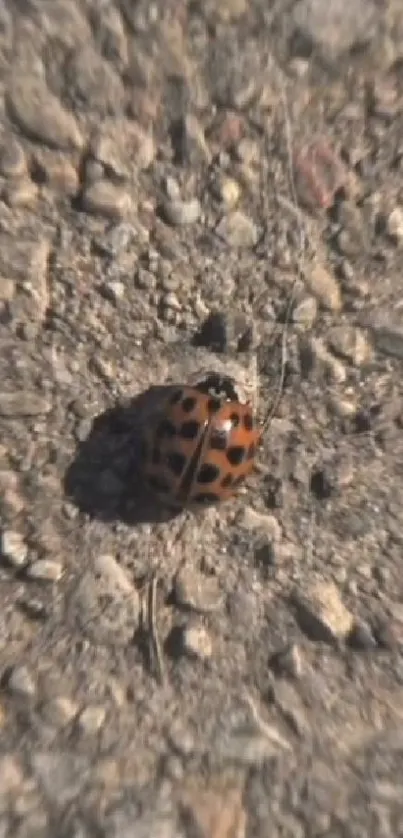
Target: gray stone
x,y
92,81
22,682
394,224
13,162
324,286
106,199
26,263
237,230
60,775
321,613
13,548
106,603
304,313
45,570
196,641
195,591
351,343
180,213
23,403
40,115
334,27
91,720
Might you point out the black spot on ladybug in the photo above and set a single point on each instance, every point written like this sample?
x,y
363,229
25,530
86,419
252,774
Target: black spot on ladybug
x,y
234,419
208,473
251,451
218,440
248,422
213,405
189,430
188,404
205,498
176,397
176,462
227,481
158,484
165,429
236,455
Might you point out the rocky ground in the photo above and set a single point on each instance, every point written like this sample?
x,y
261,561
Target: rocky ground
x,y
186,184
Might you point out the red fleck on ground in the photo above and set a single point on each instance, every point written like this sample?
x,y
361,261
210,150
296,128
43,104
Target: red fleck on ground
x,y
319,173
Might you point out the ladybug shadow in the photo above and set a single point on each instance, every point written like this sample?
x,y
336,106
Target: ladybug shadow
x,y
105,478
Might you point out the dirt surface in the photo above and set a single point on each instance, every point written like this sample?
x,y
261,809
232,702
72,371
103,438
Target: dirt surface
x,y
187,185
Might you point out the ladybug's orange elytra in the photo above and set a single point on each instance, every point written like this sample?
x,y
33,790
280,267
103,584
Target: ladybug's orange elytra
x,y
202,444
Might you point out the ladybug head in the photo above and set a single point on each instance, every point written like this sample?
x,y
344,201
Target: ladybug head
x,y
219,386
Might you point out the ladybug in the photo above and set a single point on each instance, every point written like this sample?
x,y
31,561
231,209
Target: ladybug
x,y
201,445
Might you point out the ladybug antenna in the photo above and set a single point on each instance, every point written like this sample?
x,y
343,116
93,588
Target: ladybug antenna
x,y
280,388
294,206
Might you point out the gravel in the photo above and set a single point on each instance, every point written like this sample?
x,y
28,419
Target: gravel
x,y
239,672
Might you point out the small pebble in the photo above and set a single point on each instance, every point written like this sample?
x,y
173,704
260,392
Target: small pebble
x,y
387,633
351,343
389,340
180,213
214,809
24,403
21,682
91,719
228,11
172,189
106,604
291,707
21,192
321,613
53,169
228,192
251,748
298,67
170,300
103,198
247,151
12,159
7,289
11,776
117,153
195,591
324,286
360,636
254,521
344,408
237,230
40,115
45,570
34,608
181,738
304,313
333,368
114,290
288,661
60,711
228,129
13,548
319,172
384,99
394,224
108,773
196,642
